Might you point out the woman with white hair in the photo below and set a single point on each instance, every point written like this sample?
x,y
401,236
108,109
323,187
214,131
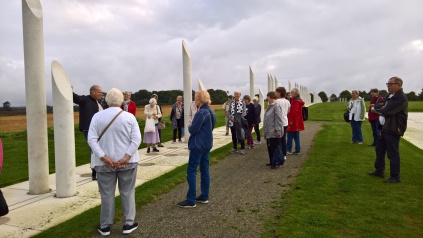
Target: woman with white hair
x,y
114,137
152,111
295,122
357,116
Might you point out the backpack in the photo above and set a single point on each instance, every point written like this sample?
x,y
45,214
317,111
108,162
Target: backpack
x,y
305,113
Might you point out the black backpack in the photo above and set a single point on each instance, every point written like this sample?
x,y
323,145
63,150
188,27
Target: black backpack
x,y
305,113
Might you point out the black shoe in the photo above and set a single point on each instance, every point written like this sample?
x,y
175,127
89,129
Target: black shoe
x,y
273,167
201,200
186,204
127,229
160,145
105,231
94,178
393,180
268,164
155,150
372,144
148,150
377,174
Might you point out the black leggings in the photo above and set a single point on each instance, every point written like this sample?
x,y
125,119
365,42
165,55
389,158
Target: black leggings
x,y
257,130
179,129
235,139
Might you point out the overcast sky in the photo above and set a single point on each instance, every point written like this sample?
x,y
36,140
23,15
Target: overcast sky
x,y
327,46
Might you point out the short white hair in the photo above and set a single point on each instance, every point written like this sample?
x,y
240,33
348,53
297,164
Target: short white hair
x,y
114,97
152,101
237,91
296,91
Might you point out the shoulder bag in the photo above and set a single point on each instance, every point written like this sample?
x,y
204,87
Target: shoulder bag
x,y
107,127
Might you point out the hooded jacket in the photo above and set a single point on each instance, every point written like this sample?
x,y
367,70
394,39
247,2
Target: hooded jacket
x,y
295,115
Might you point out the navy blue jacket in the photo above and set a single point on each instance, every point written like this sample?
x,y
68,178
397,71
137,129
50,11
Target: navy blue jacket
x,y
87,108
395,112
201,129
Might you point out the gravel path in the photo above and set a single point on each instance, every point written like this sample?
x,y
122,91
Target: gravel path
x,y
244,194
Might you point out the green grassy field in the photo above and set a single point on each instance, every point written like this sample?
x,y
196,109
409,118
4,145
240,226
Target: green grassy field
x,y
335,197
15,164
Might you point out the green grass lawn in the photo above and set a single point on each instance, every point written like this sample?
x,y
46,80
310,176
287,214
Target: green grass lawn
x,y
15,164
335,197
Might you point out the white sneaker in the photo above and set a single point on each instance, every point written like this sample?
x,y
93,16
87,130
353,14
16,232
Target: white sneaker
x,y
257,142
284,158
233,151
243,152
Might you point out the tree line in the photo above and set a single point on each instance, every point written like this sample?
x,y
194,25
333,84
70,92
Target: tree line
x,y
411,96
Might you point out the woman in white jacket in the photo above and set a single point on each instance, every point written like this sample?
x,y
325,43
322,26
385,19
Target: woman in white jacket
x,y
357,112
114,137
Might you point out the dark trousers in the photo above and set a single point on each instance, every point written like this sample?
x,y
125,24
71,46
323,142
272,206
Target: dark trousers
x,y
283,141
93,172
257,130
235,139
376,131
388,144
178,129
272,144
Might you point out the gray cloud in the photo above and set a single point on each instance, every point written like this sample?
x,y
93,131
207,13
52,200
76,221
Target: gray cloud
x,y
327,46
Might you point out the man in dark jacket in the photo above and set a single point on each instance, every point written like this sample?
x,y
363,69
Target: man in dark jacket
x,y
88,106
393,119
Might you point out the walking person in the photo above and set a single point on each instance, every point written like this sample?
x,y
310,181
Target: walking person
x,y
152,112
225,108
393,118
257,111
88,106
295,122
357,111
273,130
238,124
128,105
160,119
199,144
285,106
114,137
177,118
250,117
374,117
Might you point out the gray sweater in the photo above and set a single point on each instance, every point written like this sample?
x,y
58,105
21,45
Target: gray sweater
x,y
273,121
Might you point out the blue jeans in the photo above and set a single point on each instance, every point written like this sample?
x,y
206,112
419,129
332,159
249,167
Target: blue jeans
x,y
357,136
202,159
376,131
296,137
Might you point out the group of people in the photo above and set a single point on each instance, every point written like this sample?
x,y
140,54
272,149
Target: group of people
x,y
113,134
283,117
388,120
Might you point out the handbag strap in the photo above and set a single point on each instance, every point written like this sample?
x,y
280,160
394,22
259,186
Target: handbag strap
x,y
107,127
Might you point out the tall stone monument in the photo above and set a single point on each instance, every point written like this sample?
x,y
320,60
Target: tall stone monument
x,y
36,105
64,134
261,102
251,83
187,76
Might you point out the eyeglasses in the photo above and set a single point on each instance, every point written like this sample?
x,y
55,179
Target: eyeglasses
x,y
389,84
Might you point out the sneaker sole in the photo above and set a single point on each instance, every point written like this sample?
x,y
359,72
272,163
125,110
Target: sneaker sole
x,y
104,233
125,232
187,206
203,202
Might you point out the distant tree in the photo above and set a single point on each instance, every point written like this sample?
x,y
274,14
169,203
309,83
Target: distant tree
x,y
411,96
333,98
363,95
323,96
345,94
218,96
6,106
383,93
421,95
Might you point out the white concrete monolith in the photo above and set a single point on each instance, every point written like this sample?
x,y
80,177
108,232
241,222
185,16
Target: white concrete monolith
x,y
251,83
276,83
289,86
201,85
64,135
36,106
261,102
269,83
187,72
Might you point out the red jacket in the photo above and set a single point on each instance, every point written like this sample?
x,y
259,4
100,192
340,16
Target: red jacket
x,y
132,107
295,115
374,116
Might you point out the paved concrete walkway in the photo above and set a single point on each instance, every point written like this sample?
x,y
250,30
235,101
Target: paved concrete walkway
x,y
31,214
